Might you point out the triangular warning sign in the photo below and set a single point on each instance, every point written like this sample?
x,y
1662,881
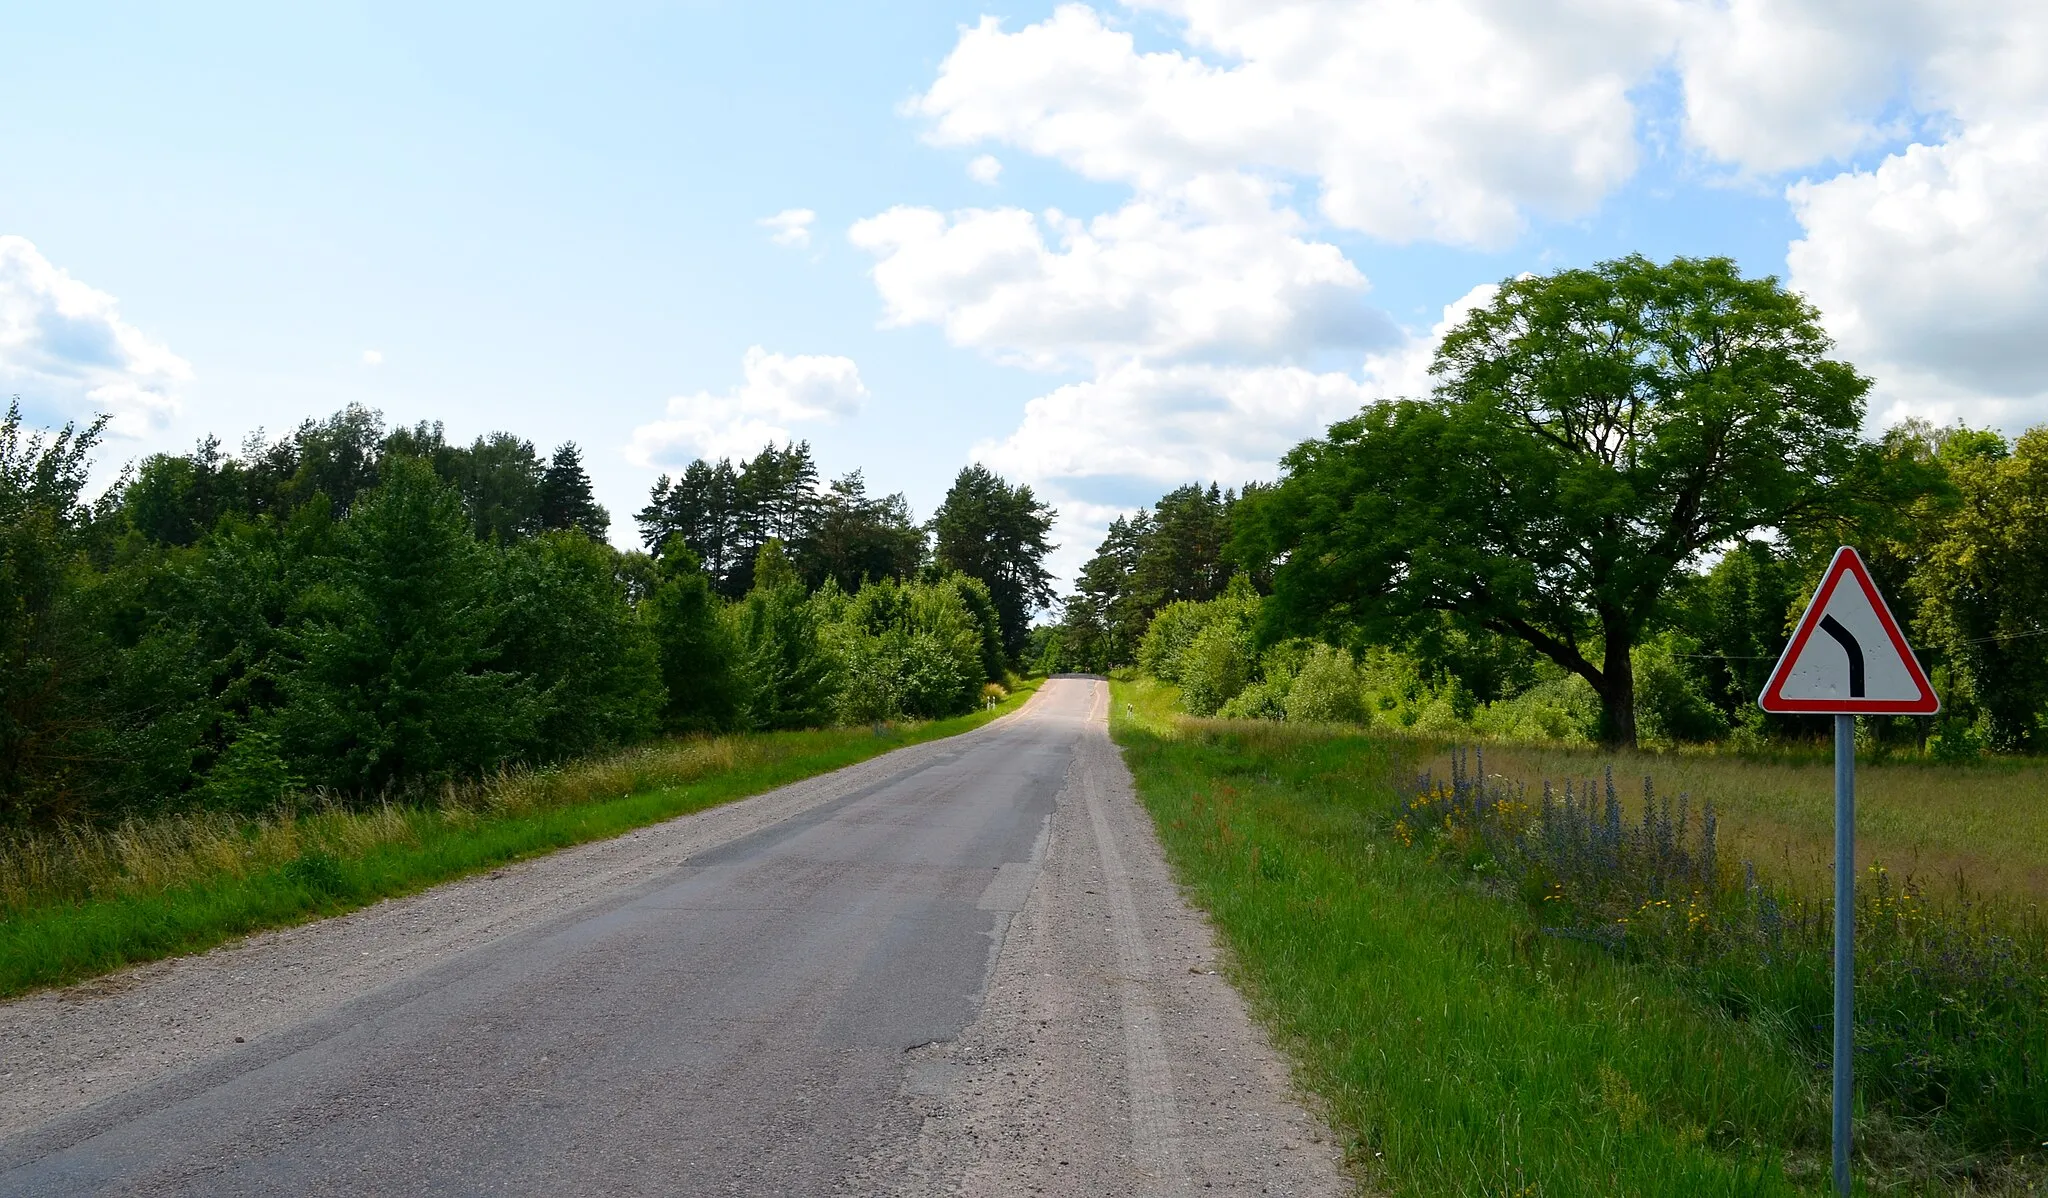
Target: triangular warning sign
x,y
1847,656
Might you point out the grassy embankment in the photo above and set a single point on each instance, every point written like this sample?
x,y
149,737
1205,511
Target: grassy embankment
x,y
84,901
1460,1050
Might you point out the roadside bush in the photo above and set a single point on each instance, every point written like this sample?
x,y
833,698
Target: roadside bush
x,y
1215,667
1671,698
1258,701
1326,690
1561,707
1168,637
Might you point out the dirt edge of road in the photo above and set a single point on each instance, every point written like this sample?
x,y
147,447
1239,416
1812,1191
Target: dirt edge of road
x,y
1111,1054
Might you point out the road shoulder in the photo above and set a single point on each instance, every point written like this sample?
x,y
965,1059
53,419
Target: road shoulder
x,y
1111,1056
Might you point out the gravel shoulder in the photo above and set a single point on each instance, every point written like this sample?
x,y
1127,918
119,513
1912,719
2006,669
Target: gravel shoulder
x,y
1110,1056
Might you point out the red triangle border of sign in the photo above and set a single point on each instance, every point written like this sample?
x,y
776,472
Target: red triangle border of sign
x,y
1847,562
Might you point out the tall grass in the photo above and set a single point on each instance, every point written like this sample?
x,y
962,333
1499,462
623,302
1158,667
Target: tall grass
x,y
78,901
144,855
1983,824
1952,1013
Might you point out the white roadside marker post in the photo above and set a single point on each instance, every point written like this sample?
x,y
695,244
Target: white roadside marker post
x,y
1861,665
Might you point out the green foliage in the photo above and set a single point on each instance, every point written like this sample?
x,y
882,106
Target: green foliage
x,y
252,776
566,625
914,649
392,677
1173,552
1592,432
1326,689
1215,666
788,676
51,661
725,515
1984,587
565,499
857,540
699,659
1671,699
996,533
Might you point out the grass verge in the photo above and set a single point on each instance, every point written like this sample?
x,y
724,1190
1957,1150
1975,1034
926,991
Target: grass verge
x,y
80,902
1457,1049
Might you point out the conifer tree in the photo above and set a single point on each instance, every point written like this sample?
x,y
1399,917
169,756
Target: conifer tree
x,y
566,501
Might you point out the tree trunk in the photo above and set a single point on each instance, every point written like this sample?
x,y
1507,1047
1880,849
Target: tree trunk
x,y
1618,689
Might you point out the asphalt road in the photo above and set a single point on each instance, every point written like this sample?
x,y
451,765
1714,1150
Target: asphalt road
x,y
738,1022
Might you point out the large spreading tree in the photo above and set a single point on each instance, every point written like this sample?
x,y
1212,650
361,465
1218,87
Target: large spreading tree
x,y
1591,433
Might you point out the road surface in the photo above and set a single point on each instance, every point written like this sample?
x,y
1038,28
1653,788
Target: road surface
x,y
959,968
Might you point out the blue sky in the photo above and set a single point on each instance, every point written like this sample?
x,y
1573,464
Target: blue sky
x,y
552,221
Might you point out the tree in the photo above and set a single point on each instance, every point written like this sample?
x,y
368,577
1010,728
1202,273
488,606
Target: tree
x,y
857,539
1174,552
1592,432
393,681
791,680
1984,584
566,500
568,627
725,516
990,530
48,655
699,665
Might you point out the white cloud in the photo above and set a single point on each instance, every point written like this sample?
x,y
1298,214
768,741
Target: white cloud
x,y
373,357
790,227
66,342
1168,425
1440,119
1212,271
777,391
1932,272
985,169
1204,307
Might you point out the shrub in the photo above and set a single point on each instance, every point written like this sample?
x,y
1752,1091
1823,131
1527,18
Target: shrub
x,y
1258,701
1671,698
1215,667
1326,691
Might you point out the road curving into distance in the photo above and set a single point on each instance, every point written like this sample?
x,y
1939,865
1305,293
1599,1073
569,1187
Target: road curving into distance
x,y
958,968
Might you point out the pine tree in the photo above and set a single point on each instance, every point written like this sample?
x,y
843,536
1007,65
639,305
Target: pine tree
x,y
566,501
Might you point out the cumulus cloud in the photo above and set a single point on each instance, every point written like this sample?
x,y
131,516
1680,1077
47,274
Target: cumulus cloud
x,y
985,169
1438,119
1931,267
1932,271
373,357
1213,270
1203,309
776,391
1170,424
64,341
790,227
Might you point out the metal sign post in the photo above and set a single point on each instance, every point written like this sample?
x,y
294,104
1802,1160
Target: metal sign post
x,y
1859,665
1845,940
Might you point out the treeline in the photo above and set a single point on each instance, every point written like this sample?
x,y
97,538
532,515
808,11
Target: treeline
x,y
373,612
1601,526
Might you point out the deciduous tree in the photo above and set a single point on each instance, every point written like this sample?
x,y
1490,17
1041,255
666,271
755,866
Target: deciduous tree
x,y
1592,432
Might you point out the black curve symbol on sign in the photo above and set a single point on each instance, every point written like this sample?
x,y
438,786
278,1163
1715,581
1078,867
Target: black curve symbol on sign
x,y
1833,628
